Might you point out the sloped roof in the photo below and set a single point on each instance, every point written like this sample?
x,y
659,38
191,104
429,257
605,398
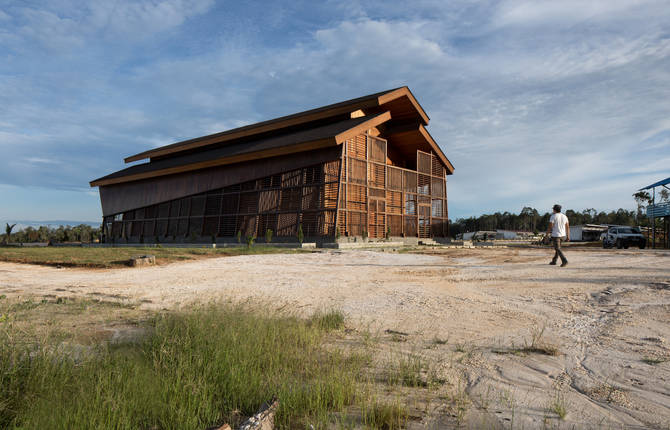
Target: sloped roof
x,y
399,101
312,138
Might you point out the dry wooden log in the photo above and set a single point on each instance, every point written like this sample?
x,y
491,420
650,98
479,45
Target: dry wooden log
x,y
264,418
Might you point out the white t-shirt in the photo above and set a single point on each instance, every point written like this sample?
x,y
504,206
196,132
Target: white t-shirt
x,y
559,222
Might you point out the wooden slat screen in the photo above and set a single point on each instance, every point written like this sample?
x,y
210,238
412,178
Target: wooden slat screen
x,y
278,202
394,178
394,202
437,187
409,203
356,147
377,148
356,172
394,223
399,191
377,175
423,162
410,182
423,184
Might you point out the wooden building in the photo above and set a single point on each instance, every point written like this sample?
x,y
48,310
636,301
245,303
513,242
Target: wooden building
x,y
363,166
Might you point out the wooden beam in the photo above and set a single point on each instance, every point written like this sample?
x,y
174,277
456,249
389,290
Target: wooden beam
x,y
363,127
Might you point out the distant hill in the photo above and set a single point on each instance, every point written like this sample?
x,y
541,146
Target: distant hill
x,y
22,224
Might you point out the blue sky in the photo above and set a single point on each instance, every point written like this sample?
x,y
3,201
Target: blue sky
x,y
534,102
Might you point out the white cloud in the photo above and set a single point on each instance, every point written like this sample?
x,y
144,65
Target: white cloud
x,y
136,18
571,12
59,27
39,160
518,93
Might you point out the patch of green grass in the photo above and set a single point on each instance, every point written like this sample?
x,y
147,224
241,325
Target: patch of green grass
x,y
192,370
408,370
93,257
385,416
535,344
328,320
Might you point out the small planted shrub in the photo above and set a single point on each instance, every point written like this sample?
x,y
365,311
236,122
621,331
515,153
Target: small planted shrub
x,y
301,235
268,236
337,232
388,233
239,236
250,240
365,234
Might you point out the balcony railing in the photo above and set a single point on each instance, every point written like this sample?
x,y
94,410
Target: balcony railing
x,y
658,210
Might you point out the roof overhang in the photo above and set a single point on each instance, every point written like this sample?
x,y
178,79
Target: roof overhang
x,y
336,139
413,135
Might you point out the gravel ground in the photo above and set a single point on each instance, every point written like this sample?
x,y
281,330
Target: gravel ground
x,y
607,313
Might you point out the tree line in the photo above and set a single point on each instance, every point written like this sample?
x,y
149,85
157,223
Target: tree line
x,y
529,219
78,233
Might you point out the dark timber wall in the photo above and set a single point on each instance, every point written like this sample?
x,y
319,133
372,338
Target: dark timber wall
x,y
280,202
131,195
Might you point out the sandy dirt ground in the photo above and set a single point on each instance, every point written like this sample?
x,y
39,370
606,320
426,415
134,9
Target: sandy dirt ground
x,y
607,313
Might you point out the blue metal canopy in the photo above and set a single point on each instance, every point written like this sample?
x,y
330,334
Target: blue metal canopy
x,y
657,184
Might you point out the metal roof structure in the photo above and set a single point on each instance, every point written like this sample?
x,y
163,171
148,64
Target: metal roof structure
x,y
657,184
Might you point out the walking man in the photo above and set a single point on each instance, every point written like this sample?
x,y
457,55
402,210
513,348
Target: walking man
x,y
559,230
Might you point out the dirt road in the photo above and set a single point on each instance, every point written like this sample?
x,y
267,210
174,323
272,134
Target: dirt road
x,y
607,313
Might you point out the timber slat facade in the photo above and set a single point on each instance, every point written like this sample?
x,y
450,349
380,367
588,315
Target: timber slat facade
x,y
366,166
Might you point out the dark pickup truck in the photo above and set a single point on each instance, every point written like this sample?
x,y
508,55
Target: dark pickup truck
x,y
623,237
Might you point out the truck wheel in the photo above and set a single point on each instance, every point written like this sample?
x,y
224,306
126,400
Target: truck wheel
x,y
619,244
604,244
625,246
643,245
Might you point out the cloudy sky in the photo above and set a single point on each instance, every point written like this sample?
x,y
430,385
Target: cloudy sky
x,y
534,102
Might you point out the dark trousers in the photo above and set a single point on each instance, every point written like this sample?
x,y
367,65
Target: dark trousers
x,y
556,241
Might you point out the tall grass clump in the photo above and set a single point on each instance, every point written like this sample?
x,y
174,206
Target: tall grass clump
x,y
408,370
194,370
385,416
328,320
